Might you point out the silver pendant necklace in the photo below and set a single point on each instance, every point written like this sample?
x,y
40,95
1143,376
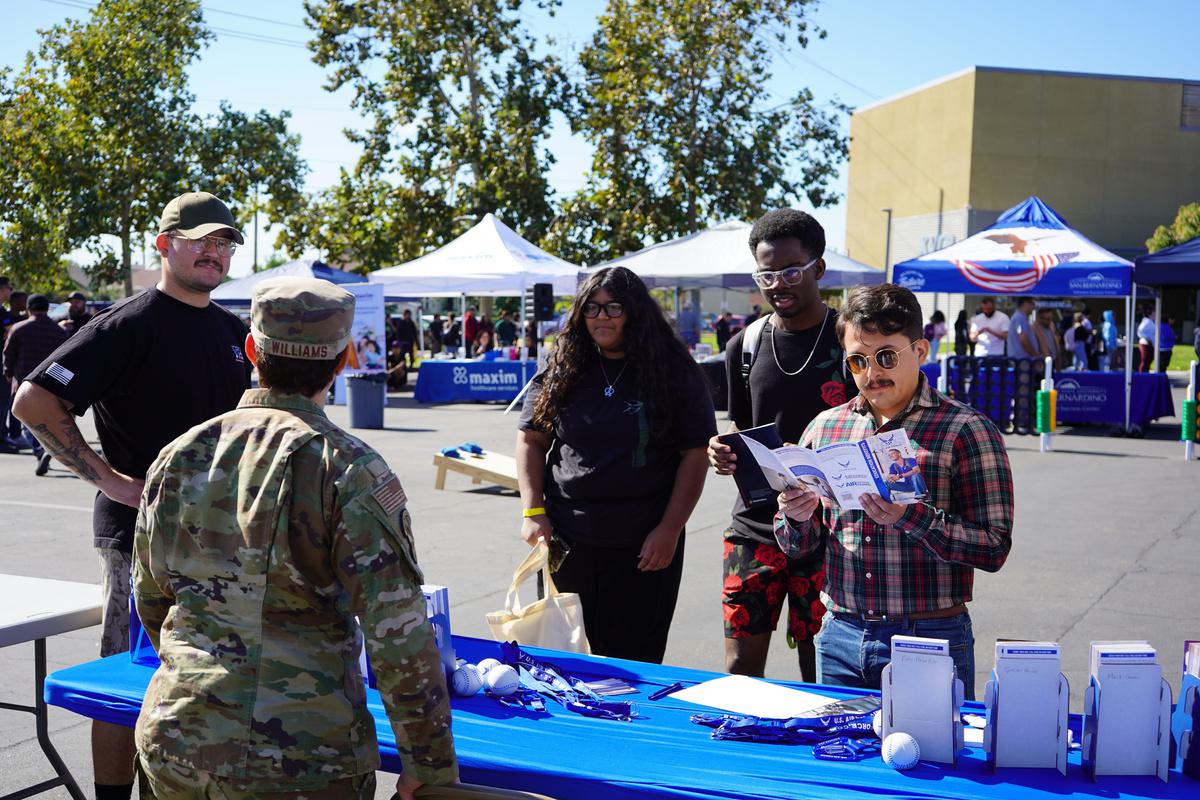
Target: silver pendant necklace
x,y
775,354
610,389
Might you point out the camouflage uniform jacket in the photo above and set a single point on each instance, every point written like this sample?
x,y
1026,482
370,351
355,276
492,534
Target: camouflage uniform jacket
x,y
261,534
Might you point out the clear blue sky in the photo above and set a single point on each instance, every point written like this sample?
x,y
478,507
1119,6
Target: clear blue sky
x,y
874,48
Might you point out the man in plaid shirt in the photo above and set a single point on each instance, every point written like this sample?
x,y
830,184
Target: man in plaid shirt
x,y
901,569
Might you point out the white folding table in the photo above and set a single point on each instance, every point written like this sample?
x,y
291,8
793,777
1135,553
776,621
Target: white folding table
x,y
32,609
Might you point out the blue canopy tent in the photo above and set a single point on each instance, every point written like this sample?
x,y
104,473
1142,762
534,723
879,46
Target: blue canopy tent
x,y
1178,265
237,292
1030,250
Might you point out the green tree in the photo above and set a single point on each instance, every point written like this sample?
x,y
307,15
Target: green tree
x,y
1185,228
97,133
460,107
672,102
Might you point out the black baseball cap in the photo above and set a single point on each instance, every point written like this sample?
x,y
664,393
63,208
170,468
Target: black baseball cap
x,y
77,296
38,302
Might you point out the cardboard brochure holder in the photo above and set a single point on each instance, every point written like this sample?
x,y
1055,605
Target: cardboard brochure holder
x,y
1026,702
1185,727
1126,713
922,697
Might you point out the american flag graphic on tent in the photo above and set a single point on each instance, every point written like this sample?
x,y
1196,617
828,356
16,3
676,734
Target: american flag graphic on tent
x,y
1012,281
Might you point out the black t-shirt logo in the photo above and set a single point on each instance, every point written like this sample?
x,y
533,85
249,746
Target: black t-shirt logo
x,y
237,354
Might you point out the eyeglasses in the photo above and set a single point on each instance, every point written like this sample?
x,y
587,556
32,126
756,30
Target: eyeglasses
x,y
887,358
790,276
611,310
224,247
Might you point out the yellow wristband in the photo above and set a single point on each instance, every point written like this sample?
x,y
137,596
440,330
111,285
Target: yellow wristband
x,y
533,512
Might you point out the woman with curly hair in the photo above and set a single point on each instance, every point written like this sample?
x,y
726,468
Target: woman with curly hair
x,y
611,459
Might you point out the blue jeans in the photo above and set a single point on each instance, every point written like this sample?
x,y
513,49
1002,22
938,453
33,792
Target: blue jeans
x,y
853,652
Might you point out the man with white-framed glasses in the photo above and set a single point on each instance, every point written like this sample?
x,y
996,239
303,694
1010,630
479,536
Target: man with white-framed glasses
x,y
782,368
151,366
891,568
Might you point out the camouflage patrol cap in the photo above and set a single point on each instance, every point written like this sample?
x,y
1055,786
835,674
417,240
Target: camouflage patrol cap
x,y
303,318
197,214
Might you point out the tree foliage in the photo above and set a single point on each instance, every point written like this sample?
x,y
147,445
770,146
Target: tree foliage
x,y
97,133
672,102
1185,228
459,109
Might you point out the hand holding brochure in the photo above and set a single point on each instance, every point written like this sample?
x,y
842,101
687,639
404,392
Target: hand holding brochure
x,y
883,464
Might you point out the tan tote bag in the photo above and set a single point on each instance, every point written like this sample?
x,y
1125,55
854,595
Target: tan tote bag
x,y
556,621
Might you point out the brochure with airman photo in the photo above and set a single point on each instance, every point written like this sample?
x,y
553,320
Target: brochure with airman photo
x,y
883,464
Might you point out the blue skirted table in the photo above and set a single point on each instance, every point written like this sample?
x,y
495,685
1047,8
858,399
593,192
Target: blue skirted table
x,y
1090,397
445,381
661,754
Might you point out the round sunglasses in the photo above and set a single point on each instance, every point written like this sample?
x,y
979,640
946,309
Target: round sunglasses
x,y
886,358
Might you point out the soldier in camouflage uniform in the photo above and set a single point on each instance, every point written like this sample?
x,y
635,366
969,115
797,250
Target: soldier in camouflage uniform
x,y
261,534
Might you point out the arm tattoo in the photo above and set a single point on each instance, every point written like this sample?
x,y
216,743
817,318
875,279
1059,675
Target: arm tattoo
x,y
70,452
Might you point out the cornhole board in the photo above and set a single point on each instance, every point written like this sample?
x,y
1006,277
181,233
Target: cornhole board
x,y
490,467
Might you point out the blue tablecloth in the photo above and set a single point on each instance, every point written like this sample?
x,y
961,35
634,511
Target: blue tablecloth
x,y
1099,397
471,381
659,755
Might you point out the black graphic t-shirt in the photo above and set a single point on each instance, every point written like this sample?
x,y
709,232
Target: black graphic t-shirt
x,y
607,480
790,401
150,367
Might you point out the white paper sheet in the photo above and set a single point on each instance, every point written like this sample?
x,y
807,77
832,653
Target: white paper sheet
x,y
743,695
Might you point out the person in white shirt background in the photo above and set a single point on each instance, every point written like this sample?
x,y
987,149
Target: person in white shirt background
x,y
1145,334
989,329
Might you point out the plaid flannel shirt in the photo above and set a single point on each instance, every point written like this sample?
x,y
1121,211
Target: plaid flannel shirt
x,y
926,560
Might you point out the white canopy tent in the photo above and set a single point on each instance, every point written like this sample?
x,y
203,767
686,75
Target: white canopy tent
x,y
488,260
720,258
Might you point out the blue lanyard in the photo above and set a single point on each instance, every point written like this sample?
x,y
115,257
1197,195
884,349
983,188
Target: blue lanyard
x,y
843,748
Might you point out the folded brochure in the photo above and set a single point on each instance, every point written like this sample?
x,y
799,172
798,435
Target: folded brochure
x,y
883,464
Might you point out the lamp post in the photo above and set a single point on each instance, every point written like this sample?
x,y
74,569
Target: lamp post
x,y
887,246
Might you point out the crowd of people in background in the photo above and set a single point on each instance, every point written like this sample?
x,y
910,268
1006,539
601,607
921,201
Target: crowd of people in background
x,y
27,336
1070,338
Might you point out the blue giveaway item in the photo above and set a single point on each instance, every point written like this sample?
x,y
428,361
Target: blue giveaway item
x,y
450,452
844,748
472,448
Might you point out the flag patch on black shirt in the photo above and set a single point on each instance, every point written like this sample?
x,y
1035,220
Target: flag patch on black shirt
x,y
60,373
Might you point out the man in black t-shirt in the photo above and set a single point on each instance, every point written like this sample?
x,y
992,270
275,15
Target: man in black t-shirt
x,y
796,373
150,367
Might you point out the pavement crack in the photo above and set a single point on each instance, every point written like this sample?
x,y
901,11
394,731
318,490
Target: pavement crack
x,y
1134,567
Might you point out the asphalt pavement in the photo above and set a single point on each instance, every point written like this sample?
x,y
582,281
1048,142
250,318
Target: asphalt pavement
x,y
1106,546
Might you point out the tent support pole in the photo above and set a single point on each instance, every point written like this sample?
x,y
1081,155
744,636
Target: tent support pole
x,y
1129,305
1158,331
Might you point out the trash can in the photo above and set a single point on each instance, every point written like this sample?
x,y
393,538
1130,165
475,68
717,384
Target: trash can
x,y
367,397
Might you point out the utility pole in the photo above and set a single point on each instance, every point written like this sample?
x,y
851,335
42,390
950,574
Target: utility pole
x,y
255,267
887,246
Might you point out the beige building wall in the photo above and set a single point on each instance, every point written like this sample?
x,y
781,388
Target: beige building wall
x,y
1108,153
911,154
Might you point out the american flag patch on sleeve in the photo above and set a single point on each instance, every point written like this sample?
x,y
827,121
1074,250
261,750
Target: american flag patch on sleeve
x,y
390,495
59,373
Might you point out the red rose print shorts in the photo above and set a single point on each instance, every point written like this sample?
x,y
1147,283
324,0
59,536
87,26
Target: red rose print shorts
x,y
758,577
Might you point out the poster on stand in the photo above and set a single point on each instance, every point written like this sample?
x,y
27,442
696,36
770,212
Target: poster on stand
x,y
368,334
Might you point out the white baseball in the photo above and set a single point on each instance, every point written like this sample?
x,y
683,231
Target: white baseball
x,y
900,751
877,723
502,680
486,664
466,681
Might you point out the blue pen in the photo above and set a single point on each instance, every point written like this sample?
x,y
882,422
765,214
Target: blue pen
x,y
661,693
